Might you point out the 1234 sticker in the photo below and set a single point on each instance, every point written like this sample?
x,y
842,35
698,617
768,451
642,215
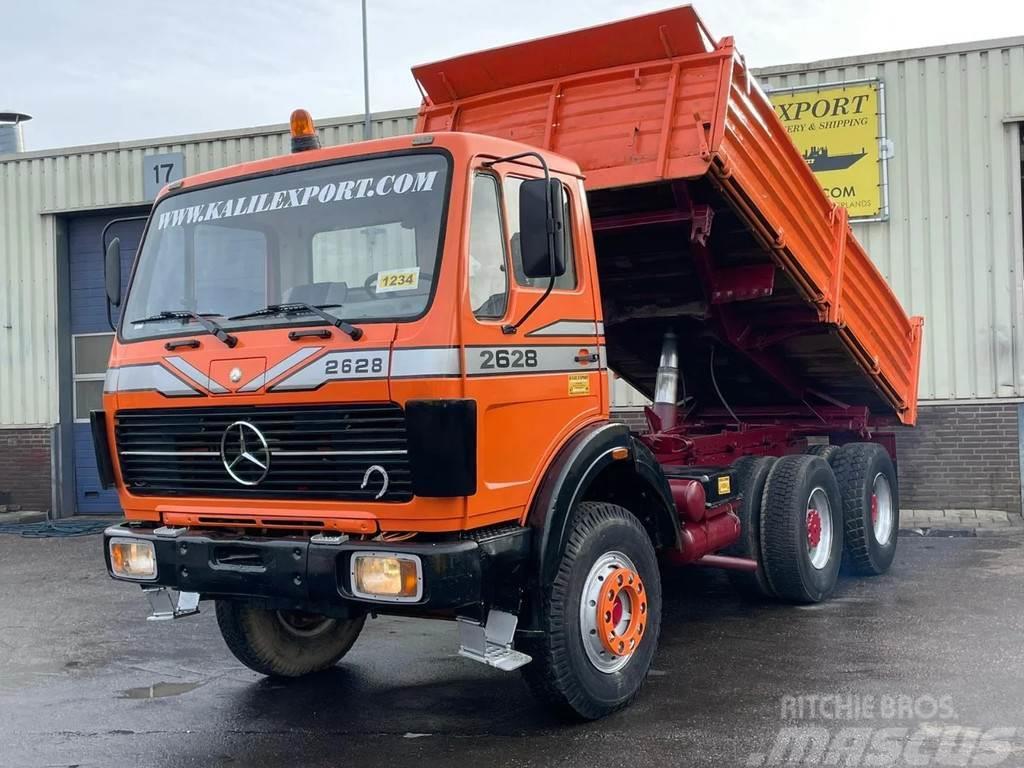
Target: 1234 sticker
x,y
398,280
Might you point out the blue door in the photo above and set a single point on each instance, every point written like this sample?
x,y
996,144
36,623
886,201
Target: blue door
x,y
91,338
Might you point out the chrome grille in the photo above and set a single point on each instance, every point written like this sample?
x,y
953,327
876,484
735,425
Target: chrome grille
x,y
316,452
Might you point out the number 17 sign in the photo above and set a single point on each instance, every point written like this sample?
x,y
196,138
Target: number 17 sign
x,y
160,170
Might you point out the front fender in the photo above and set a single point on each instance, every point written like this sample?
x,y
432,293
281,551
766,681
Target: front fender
x,y
649,470
581,460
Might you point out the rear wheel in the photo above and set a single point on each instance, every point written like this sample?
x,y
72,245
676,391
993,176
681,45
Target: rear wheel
x,y
826,452
801,529
600,617
284,643
871,510
751,475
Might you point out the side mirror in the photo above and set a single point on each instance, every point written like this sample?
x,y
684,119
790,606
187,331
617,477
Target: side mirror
x,y
112,272
542,230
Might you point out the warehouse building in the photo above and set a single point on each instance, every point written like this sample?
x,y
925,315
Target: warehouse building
x,y
933,180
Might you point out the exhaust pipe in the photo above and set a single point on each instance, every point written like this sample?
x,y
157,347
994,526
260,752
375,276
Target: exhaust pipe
x,y
666,386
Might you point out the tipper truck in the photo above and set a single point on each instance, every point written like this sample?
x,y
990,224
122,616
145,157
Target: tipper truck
x,y
374,378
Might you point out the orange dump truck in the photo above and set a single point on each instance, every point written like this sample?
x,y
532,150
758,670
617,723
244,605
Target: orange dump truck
x,y
374,378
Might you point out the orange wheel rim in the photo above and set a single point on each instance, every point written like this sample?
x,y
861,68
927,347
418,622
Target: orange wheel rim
x,y
622,612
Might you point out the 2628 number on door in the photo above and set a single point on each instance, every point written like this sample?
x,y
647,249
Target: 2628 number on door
x,y
491,359
359,365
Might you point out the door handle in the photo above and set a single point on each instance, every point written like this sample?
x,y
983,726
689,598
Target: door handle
x,y
589,357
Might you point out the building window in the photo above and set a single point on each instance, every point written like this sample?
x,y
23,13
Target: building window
x,y
90,355
565,282
488,279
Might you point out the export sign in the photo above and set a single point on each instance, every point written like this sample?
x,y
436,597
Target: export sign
x,y
837,129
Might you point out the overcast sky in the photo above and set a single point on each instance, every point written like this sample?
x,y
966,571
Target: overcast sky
x,y
112,70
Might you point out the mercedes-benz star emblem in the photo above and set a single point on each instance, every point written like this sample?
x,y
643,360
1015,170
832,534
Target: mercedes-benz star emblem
x,y
235,375
245,453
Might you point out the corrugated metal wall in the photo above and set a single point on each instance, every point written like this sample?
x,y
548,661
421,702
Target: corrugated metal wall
x,y
952,247
36,185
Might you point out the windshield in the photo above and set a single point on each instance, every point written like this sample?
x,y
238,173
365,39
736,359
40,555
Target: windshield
x,y
362,237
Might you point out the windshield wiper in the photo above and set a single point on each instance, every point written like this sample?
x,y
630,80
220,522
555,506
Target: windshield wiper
x,y
185,314
298,307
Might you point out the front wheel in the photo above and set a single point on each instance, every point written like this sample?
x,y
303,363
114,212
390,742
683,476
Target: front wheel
x,y
600,617
284,643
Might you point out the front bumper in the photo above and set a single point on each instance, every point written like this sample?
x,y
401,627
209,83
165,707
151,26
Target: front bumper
x,y
297,572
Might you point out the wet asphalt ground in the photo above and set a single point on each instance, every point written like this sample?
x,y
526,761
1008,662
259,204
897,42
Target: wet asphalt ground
x,y
930,652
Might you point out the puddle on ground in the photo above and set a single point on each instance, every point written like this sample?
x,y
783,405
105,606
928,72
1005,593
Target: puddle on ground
x,y
158,690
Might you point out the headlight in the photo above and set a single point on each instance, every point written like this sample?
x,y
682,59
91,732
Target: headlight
x,y
133,559
387,576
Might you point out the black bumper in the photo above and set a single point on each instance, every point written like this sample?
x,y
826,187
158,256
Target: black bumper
x,y
295,572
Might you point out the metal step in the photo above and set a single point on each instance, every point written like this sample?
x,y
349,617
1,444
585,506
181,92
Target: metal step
x,y
165,606
491,644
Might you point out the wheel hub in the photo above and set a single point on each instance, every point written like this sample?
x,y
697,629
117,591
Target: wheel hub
x,y
613,612
813,528
819,529
883,509
622,612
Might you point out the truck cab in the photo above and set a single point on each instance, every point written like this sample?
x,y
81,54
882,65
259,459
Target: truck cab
x,y
414,243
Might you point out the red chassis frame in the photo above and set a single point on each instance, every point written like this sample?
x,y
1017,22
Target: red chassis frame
x,y
715,439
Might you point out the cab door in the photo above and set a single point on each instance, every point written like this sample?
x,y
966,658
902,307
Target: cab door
x,y
538,385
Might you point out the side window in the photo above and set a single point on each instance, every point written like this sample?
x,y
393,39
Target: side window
x,y
566,282
488,282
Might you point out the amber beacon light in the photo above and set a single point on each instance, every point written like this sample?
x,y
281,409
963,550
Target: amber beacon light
x,y
304,136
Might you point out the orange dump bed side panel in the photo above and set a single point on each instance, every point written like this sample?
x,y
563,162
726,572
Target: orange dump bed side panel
x,y
630,102
657,98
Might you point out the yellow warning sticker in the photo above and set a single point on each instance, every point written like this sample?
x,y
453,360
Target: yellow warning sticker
x,y
724,485
579,384
398,280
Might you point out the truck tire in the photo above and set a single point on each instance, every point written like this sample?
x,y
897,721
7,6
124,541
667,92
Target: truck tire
x,y
826,452
751,474
598,642
284,643
802,529
871,508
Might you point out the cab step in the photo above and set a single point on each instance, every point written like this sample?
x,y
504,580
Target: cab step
x,y
491,643
165,604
